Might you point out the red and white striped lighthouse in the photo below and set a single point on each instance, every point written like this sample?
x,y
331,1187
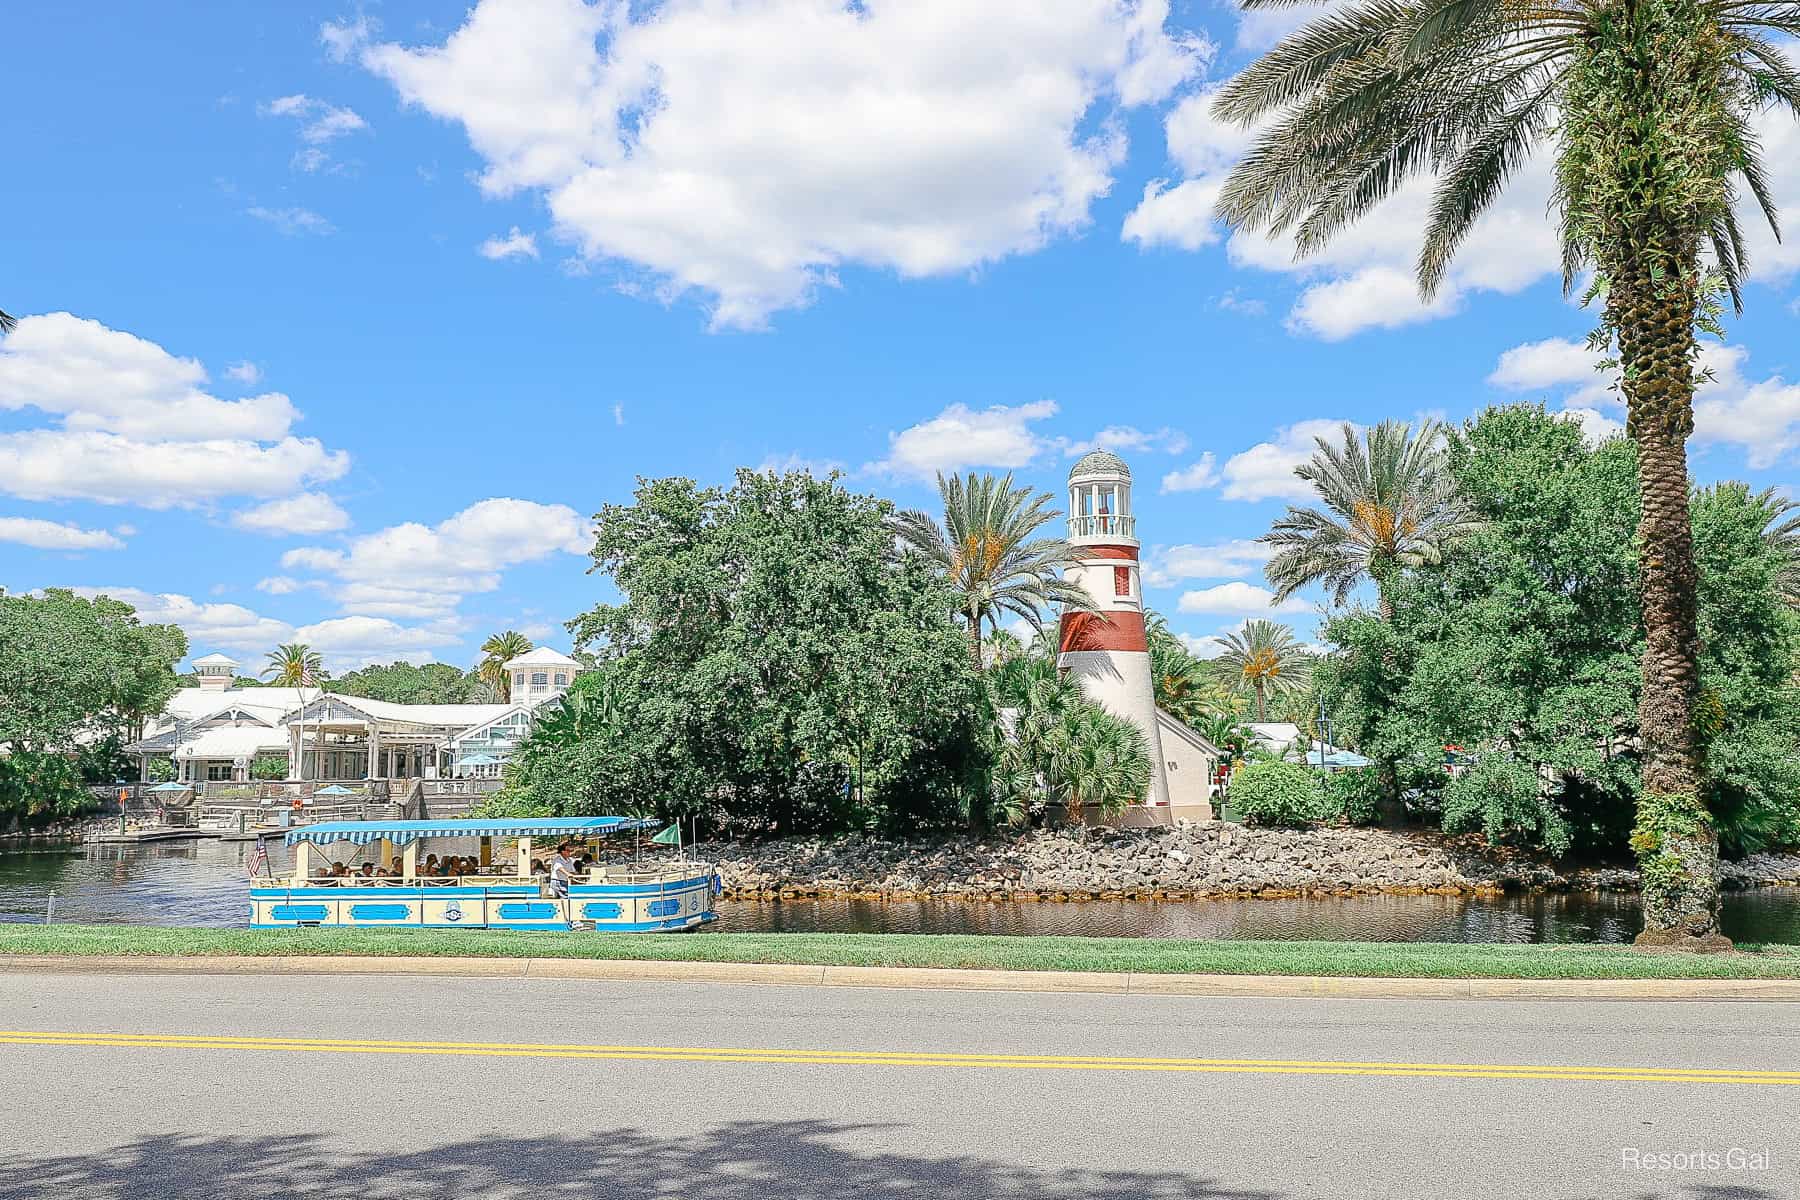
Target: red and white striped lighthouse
x,y
1105,651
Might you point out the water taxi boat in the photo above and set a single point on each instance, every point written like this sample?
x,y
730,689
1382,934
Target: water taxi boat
x,y
330,887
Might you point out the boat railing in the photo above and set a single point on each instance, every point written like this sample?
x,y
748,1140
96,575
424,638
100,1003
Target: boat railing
x,y
661,874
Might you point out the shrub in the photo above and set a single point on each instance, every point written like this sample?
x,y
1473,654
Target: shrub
x,y
1354,795
1278,793
1504,797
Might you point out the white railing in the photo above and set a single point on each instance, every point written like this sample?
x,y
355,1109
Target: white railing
x,y
1104,525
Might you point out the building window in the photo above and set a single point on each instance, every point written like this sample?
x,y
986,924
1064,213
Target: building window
x,y
218,771
540,679
1121,581
562,679
518,679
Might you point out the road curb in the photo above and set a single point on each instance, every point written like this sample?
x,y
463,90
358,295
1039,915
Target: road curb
x,y
924,978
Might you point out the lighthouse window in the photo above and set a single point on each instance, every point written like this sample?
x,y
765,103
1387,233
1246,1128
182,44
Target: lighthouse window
x,y
1121,581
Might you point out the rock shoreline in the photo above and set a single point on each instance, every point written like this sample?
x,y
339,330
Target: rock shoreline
x,y
1206,860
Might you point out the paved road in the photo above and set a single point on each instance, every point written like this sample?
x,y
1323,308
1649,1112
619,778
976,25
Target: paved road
x,y
177,1086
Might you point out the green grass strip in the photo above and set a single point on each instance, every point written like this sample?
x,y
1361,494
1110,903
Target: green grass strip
x,y
1415,960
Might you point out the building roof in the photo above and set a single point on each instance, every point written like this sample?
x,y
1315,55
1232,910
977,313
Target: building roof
x,y
1099,462
1172,725
196,704
243,741
452,716
542,656
214,660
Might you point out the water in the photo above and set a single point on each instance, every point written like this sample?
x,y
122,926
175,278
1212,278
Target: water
x,y
203,883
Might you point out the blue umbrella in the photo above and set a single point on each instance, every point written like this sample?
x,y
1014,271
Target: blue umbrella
x,y
170,787
334,790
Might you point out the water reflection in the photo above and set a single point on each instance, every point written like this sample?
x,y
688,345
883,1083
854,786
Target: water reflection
x,y
203,883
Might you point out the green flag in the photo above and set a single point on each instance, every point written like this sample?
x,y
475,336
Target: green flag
x,y
669,837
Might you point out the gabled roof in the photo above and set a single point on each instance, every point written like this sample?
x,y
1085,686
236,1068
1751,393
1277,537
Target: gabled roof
x,y
1168,723
214,660
245,741
443,716
542,656
511,710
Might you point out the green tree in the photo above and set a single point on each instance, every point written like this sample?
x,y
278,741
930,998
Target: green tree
x,y
1188,688
776,664
1648,106
496,652
77,677
1522,649
1264,660
1272,792
1388,503
294,665
989,549
1782,532
406,683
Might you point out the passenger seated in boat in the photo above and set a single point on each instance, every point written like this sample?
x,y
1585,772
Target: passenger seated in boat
x,y
537,866
368,871
431,865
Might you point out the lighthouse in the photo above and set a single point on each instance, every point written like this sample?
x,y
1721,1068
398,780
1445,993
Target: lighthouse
x,y
1105,651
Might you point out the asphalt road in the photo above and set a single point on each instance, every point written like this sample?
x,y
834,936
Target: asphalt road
x,y
171,1086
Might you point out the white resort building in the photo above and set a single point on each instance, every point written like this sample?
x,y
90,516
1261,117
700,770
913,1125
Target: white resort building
x,y
214,732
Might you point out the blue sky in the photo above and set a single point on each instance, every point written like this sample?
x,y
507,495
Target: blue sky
x,y
337,323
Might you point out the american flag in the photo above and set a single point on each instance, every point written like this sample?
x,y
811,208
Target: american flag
x,y
307,678
259,860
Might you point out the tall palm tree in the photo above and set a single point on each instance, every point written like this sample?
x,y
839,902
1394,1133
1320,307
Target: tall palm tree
x,y
294,665
1388,502
1263,659
987,548
1648,107
1187,688
496,652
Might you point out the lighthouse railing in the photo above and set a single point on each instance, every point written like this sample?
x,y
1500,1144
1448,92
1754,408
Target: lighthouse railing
x,y
1103,525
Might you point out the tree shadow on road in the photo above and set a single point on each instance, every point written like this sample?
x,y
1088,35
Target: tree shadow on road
x,y
744,1160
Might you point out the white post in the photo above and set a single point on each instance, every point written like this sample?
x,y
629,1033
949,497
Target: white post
x,y
302,860
410,860
524,857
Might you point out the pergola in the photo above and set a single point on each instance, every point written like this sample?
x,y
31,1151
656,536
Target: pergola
x,y
336,737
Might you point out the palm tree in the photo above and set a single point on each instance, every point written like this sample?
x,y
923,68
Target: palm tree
x,y
1061,748
987,549
7,324
1185,687
1389,502
1264,659
294,665
496,652
1648,106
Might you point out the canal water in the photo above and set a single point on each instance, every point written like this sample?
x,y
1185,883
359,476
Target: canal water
x,y
203,883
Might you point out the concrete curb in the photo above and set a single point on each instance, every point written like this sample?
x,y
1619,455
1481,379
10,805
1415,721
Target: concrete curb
x,y
928,978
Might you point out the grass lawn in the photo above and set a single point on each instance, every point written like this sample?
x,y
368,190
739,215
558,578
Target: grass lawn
x,y
1422,960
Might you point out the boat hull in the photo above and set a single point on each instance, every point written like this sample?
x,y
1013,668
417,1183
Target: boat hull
x,y
666,906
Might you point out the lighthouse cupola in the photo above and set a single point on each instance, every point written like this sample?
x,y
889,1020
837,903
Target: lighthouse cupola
x,y
1104,648
1100,501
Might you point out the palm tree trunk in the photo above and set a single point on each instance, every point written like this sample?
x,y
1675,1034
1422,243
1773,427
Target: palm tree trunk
x,y
975,639
1262,704
1676,843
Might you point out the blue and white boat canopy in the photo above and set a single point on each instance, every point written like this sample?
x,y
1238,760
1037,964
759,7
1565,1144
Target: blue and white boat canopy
x,y
367,833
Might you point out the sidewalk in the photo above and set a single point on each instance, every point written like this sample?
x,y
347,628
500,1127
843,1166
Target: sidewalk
x,y
1132,983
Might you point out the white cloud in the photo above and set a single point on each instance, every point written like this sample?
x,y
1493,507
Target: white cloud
x,y
1238,600
1259,29
1266,470
618,414
1761,417
294,222
135,424
1119,438
321,123
320,120
1165,565
207,625
1196,476
48,535
1248,306
306,513
415,570
513,245
346,643
1364,278
749,150
246,373
342,39
961,437
1202,647
279,585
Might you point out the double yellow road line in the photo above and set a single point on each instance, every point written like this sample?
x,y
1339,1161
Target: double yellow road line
x,y
895,1058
